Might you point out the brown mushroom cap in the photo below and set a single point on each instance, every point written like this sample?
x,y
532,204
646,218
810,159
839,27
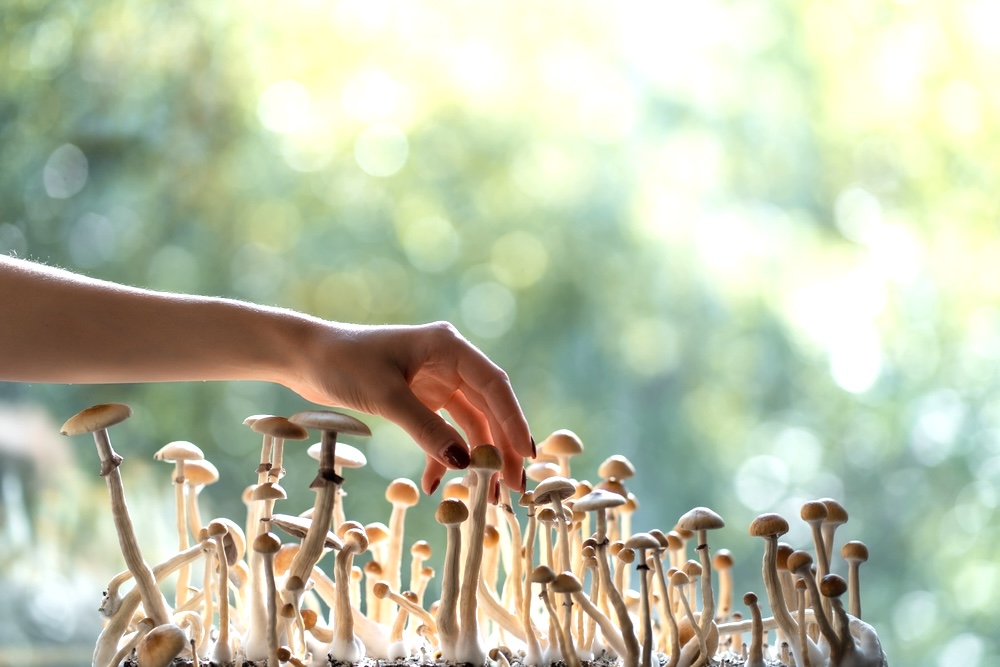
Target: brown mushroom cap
x,y
267,543
543,574
485,457
854,550
269,491
562,442
723,559
421,549
783,551
616,467
700,518
642,541
355,541
813,510
298,527
539,471
835,512
329,420
799,560
769,525
455,488
451,511
161,645
200,473
832,586
95,418
402,491
750,598
279,427
566,582
679,578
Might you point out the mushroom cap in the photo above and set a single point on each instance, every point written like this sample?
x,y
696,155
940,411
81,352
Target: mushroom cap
x,y
616,467
179,450
674,541
854,550
546,515
252,418
692,568
614,486
723,559
298,527
161,645
421,549
660,537
543,574
330,420
598,499
269,491
372,568
356,525
485,457
309,618
624,555
527,499
402,491
783,552
813,511
750,598
642,541
566,582
768,525
279,427
267,543
583,487
346,456
541,470
799,560
95,418
376,532
700,518
355,541
679,578
554,487
451,511
201,473
562,442
455,488
832,586
491,536
381,589
216,528
835,512
283,559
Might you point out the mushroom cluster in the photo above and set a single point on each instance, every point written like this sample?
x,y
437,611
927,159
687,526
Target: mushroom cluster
x,y
558,589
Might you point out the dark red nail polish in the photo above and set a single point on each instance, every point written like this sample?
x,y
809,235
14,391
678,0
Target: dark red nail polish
x,y
434,487
534,450
524,480
456,456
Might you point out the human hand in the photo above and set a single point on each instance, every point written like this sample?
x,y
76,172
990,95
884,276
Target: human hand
x,y
407,374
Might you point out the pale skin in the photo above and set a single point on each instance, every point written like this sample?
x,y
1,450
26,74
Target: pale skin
x,y
61,327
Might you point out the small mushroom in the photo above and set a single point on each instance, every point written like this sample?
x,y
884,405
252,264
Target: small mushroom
x,y
562,444
639,543
855,553
701,520
160,646
268,544
179,452
346,645
403,494
755,656
197,475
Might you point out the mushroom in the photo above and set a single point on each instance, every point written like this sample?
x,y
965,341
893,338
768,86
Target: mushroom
x,y
599,501
485,460
383,590
701,520
197,475
346,645
562,444
639,543
770,527
855,553
178,452
402,494
142,628
755,657
723,564
160,646
268,544
223,651
679,580
800,563
567,585
96,420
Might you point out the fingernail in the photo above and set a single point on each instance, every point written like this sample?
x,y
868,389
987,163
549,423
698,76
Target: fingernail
x,y
434,487
496,492
534,450
457,456
524,480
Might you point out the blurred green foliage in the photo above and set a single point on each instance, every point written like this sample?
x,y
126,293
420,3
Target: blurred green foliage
x,y
751,244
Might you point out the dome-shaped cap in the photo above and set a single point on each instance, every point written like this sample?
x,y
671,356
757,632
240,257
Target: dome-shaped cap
x,y
329,420
95,418
279,427
700,518
769,525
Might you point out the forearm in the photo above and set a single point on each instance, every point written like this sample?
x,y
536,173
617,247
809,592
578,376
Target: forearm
x,y
64,328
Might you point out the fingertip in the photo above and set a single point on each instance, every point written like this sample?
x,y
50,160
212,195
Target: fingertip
x,y
433,474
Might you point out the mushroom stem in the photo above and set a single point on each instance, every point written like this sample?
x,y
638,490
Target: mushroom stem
x,y
565,643
755,657
667,611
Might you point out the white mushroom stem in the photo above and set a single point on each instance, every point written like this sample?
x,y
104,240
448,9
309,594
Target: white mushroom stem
x,y
755,656
153,601
469,647
707,596
382,589
516,569
272,609
142,629
667,619
534,650
223,652
183,576
775,600
611,634
631,656
496,612
565,643
447,616
118,623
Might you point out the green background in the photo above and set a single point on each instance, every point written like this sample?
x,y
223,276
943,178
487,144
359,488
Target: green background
x,y
750,244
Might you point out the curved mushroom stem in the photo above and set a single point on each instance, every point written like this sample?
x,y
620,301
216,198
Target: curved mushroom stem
x,y
565,643
534,650
631,657
152,599
223,651
772,585
755,656
469,647
447,616
611,634
667,611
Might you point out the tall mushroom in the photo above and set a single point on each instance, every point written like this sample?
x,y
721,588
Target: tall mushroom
x,y
599,501
268,544
485,460
450,513
403,494
701,520
179,452
347,646
96,420
562,444
197,475
855,553
639,543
